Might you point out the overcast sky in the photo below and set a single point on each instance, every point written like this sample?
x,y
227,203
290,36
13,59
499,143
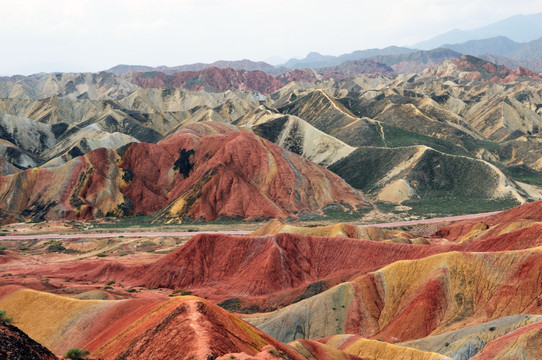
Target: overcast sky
x,y
93,35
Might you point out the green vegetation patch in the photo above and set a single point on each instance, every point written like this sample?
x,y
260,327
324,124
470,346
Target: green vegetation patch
x,y
4,318
436,173
76,354
128,221
396,137
387,207
342,215
365,166
182,292
56,246
195,81
148,75
524,174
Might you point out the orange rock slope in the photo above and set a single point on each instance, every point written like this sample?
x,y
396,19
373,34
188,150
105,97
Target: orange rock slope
x,y
187,328
374,349
204,171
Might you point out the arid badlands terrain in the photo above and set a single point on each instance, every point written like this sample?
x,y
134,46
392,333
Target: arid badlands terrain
x,y
235,211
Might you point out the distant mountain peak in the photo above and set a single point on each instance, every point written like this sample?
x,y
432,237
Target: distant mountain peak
x,y
244,64
316,60
520,28
314,55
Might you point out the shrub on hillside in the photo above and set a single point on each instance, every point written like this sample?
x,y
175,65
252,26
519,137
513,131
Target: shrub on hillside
x,y
76,354
4,318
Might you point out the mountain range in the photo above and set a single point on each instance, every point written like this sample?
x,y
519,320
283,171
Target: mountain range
x,y
411,133
500,50
514,42
521,28
236,65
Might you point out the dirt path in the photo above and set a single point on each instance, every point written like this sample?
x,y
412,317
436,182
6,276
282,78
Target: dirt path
x,y
430,221
123,234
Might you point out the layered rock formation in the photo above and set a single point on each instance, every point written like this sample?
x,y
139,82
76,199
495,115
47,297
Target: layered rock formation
x,y
467,342
323,115
471,291
188,328
296,135
436,301
188,174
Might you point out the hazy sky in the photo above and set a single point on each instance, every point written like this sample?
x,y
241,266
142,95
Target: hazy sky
x,y
92,35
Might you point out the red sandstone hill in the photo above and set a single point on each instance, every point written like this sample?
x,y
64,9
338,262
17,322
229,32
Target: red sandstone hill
x,y
227,173
188,328
215,79
219,80
264,265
